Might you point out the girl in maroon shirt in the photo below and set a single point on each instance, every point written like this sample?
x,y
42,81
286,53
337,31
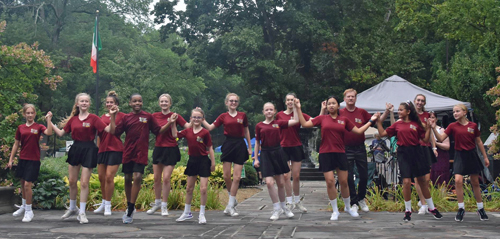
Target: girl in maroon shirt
x,y
199,164
234,150
411,159
28,166
332,152
466,162
293,154
137,125
273,166
109,157
165,155
83,153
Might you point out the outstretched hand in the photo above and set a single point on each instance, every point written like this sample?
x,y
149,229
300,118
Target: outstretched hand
x,y
375,116
113,110
389,107
173,117
297,103
48,117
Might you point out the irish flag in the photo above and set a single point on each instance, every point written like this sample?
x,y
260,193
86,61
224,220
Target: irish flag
x,y
96,46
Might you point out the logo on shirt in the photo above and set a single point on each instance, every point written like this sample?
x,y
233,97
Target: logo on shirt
x,y
341,122
143,120
275,126
239,121
34,131
425,120
413,127
199,139
359,121
470,130
86,125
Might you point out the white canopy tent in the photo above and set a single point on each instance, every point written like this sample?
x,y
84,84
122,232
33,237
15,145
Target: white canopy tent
x,y
396,90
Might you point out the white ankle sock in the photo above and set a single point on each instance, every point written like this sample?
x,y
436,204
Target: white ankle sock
x,y
334,205
347,203
187,208
276,206
23,203
289,200
72,204
232,200
297,198
408,206
157,201
164,204
430,203
107,203
202,209
480,205
82,207
28,207
461,205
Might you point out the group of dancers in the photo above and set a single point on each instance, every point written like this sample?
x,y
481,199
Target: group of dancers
x,y
277,142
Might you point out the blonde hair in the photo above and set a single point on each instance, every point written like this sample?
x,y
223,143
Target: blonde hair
x,y
199,111
75,111
229,95
462,106
166,95
27,106
268,103
350,90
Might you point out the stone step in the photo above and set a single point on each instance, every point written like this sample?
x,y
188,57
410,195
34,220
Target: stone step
x,y
7,200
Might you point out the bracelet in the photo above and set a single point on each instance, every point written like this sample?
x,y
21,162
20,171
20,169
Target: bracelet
x,y
434,148
372,122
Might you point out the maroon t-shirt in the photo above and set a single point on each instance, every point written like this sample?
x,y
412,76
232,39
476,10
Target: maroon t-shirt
x,y
290,136
137,127
332,132
233,126
465,135
358,117
166,139
110,142
84,130
408,133
269,134
29,138
423,117
197,143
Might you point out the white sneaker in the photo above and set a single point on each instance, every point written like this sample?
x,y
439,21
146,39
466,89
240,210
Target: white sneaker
x,y
154,208
232,212
335,216
100,209
28,216
288,213
419,204
19,212
70,213
226,210
82,218
184,217
107,210
164,211
353,211
201,219
126,219
300,206
422,210
363,206
276,214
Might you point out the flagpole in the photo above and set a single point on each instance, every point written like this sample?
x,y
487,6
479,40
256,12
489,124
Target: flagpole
x,y
97,98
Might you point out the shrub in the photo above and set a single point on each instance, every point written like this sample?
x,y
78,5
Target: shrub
x,y
251,176
46,193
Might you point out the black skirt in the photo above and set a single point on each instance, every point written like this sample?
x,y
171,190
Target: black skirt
x,y
198,166
28,170
295,154
234,150
429,155
467,162
332,161
166,155
110,158
83,153
271,162
412,161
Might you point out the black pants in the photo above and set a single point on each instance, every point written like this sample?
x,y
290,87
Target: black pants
x,y
356,156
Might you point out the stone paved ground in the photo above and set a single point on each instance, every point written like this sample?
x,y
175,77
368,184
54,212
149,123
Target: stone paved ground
x,y
254,223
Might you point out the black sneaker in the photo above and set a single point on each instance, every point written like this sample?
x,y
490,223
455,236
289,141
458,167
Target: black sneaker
x,y
407,217
460,215
436,213
482,214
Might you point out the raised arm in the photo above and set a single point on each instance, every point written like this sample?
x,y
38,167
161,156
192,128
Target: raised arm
x,y
323,111
48,118
112,120
302,120
445,145
294,120
381,130
59,132
440,137
363,128
427,133
389,110
171,120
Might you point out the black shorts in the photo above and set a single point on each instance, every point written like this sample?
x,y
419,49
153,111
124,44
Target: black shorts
x,y
467,162
295,154
198,166
412,161
331,161
272,163
110,158
83,153
429,155
28,170
234,150
133,167
166,155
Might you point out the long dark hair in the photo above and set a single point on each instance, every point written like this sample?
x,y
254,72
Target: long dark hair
x,y
413,116
338,102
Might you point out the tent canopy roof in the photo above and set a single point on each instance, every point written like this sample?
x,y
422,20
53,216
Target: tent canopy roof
x,y
396,90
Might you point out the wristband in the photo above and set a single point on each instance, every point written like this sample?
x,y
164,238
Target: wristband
x,y
434,148
372,122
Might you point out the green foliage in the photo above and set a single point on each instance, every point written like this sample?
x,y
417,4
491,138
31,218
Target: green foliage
x,y
51,193
251,176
